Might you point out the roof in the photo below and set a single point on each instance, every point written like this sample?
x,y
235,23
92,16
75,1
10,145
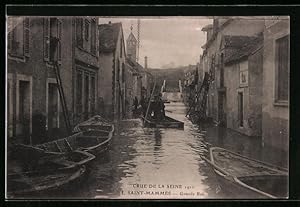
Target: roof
x,y
236,41
242,46
108,36
136,66
215,33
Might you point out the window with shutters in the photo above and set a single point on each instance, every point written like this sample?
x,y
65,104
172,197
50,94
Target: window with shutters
x,y
18,36
282,64
52,39
93,36
46,35
59,36
85,92
26,28
55,40
86,29
79,32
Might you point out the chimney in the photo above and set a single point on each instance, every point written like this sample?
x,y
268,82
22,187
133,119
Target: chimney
x,y
146,65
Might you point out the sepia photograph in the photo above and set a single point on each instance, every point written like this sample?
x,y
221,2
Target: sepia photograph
x,y
147,107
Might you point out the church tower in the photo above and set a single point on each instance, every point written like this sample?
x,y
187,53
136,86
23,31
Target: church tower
x,y
131,44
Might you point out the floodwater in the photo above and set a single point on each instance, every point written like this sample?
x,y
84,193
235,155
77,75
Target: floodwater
x,y
148,163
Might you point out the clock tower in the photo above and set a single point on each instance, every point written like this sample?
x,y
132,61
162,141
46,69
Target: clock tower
x,y
131,44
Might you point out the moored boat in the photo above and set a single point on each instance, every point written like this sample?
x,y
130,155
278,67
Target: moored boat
x,y
38,158
93,141
247,178
94,123
34,170
41,181
167,122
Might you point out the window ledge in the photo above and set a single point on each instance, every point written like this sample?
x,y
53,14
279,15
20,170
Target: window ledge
x,y
17,57
281,103
50,64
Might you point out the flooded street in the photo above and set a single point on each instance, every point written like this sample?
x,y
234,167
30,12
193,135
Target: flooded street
x,y
155,163
147,107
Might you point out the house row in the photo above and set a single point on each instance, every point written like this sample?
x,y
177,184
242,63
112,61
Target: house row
x,y
249,62
96,76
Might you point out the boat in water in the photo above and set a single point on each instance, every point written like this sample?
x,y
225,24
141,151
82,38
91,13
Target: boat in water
x,y
42,181
167,122
32,170
92,141
37,158
94,123
247,178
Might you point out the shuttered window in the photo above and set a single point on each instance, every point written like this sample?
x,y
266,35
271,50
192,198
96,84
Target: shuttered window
x,y
59,36
26,25
79,32
46,39
282,68
85,93
93,36
16,37
87,29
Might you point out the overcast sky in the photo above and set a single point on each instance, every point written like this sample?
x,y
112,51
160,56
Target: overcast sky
x,y
167,41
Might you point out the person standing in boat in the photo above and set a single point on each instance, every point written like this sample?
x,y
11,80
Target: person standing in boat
x,y
135,103
161,107
155,107
144,105
158,108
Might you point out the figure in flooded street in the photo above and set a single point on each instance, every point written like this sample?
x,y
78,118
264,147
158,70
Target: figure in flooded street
x,y
157,108
144,105
135,105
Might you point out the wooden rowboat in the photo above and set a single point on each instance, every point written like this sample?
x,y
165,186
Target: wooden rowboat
x,y
94,141
247,178
41,159
35,170
94,123
42,181
168,122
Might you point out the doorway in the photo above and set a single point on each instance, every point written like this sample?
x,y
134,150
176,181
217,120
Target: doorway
x,y
53,113
86,96
240,109
24,119
221,108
